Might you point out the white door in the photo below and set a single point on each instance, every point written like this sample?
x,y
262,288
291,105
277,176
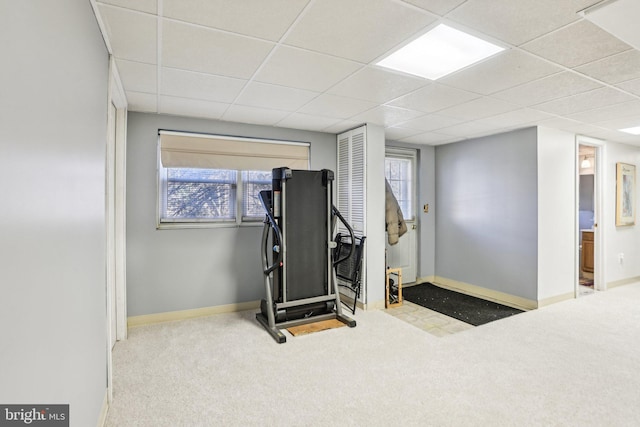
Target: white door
x,y
400,171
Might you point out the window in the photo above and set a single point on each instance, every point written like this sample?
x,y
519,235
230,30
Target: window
x,y
195,191
253,183
399,172
199,194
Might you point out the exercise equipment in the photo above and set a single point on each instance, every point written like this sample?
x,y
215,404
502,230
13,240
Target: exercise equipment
x,y
300,279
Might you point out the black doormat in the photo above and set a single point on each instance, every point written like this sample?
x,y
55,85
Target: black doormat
x,y
466,308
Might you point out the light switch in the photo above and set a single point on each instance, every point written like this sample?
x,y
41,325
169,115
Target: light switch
x,y
426,208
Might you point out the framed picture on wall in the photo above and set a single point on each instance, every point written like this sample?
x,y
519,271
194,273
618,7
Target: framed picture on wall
x,y
625,194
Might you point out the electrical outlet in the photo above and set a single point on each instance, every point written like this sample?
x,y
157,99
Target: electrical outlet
x,y
621,257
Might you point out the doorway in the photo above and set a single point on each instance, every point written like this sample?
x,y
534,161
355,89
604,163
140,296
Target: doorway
x,y
589,215
586,218
400,172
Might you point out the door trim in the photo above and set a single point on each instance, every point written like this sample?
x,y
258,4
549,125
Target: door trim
x,y
115,260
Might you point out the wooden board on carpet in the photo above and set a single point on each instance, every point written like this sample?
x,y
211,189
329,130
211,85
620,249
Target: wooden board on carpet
x,y
310,328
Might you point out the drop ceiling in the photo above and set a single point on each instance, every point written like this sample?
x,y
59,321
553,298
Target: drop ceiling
x,y
309,64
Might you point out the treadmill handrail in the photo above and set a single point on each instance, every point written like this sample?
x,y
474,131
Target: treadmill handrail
x,y
337,213
277,232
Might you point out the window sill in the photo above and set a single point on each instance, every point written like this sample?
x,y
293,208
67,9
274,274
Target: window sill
x,y
201,225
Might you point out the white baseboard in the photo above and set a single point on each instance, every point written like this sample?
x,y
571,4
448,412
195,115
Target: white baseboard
x,y
376,305
488,294
150,319
555,299
623,282
102,418
424,279
171,316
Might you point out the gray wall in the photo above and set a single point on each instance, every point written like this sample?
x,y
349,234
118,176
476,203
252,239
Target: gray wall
x,y
180,269
486,212
53,121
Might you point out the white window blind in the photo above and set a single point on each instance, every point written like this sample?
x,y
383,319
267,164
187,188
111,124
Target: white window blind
x,y
191,150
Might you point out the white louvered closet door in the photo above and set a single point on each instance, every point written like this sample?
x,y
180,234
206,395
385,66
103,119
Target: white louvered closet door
x,y
351,184
342,178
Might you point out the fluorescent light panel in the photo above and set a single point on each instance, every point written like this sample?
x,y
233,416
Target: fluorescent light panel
x,y
633,131
439,52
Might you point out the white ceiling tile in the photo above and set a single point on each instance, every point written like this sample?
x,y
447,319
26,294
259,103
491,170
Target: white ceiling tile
x,y
439,7
617,136
620,122
268,19
577,44
132,35
304,69
433,97
143,102
259,116
584,101
430,138
149,6
377,85
307,122
336,106
611,112
569,126
191,107
515,118
517,22
467,129
189,84
342,126
138,77
430,122
210,51
396,133
614,69
360,30
632,86
502,71
478,109
546,89
277,97
386,116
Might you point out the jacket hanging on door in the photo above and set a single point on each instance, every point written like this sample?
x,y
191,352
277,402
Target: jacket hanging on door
x,y
394,220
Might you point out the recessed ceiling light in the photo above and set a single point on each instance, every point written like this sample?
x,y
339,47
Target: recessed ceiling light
x,y
632,131
439,52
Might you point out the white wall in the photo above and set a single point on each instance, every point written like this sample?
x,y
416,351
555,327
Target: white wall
x,y
556,213
618,240
375,211
53,127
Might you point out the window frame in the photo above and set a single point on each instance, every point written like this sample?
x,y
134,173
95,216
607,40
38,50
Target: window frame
x,y
240,219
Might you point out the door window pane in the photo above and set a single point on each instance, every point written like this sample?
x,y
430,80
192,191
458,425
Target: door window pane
x,y
399,173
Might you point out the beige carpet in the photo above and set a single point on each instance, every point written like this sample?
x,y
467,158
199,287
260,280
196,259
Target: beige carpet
x,y
575,363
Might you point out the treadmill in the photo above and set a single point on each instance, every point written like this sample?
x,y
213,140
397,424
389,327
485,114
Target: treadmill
x,y
298,261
